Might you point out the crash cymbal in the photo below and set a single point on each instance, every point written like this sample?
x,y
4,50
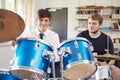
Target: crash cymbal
x,y
11,25
107,56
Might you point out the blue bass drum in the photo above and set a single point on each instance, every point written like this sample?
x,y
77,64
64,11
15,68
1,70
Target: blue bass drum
x,y
4,75
29,61
78,61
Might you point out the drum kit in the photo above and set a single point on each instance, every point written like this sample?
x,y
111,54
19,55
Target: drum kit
x,y
32,56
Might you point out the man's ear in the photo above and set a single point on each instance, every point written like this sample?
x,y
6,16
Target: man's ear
x,y
100,25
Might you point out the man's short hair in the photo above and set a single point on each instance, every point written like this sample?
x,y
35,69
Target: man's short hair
x,y
96,16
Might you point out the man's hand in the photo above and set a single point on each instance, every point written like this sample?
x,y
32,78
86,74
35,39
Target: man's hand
x,y
13,42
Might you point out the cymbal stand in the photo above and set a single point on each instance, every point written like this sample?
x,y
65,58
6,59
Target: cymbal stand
x,y
107,50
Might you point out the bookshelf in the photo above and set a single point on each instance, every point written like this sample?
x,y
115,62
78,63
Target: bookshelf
x,y
111,16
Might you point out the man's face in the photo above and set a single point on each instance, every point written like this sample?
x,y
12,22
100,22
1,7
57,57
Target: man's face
x,y
43,23
93,25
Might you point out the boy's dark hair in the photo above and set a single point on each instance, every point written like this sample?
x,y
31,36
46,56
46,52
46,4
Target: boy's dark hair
x,y
42,13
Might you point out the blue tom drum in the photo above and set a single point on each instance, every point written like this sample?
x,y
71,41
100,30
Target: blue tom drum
x,y
30,61
78,61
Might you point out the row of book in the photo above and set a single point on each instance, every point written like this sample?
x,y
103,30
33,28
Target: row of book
x,y
101,11
115,26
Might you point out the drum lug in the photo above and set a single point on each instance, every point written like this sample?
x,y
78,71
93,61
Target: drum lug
x,y
46,54
79,56
37,44
65,51
76,44
11,62
32,62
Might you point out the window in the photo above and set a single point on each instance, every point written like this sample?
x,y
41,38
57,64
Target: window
x,y
0,4
10,5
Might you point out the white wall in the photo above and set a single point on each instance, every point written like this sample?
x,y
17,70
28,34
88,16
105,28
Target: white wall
x,y
6,55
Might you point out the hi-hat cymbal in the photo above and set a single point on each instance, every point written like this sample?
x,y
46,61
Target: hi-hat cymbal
x,y
11,25
107,56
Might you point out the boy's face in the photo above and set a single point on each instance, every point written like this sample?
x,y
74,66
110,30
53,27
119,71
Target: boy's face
x,y
43,23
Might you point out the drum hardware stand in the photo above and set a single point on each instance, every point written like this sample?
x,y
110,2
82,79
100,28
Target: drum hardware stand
x,y
52,59
53,67
61,62
48,54
48,72
36,76
61,66
62,53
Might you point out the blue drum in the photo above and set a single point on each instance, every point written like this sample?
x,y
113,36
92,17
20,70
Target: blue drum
x,y
78,61
4,75
31,59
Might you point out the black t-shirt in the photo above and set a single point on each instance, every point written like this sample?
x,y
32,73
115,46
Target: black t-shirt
x,y
99,44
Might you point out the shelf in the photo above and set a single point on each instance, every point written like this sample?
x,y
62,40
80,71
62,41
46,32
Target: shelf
x,y
79,29
111,30
97,7
80,19
90,7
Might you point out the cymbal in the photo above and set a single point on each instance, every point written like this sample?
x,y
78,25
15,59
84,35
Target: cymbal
x,y
11,25
107,56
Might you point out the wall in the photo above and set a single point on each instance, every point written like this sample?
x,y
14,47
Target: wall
x,y
6,55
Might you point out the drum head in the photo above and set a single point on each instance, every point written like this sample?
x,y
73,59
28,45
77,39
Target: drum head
x,y
115,71
79,71
26,73
77,38
35,39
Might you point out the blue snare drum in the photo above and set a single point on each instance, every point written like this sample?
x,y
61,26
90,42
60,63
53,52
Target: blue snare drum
x,y
29,61
78,62
4,75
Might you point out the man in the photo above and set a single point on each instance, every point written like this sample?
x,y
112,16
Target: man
x,y
101,42
42,32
